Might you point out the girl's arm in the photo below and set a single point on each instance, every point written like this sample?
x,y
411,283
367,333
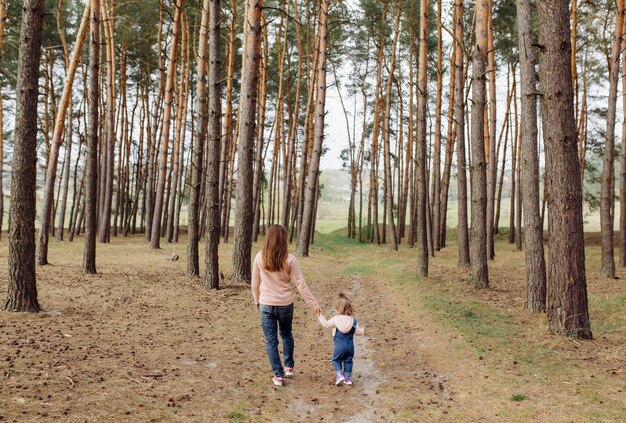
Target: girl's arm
x,y
360,330
327,323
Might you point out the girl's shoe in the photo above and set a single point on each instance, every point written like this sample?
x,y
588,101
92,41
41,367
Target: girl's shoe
x,y
348,380
340,379
289,371
278,381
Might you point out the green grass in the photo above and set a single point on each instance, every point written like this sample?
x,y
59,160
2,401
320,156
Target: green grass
x,y
518,397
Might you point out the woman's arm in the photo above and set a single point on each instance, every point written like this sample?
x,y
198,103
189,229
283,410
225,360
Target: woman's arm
x,y
256,280
296,275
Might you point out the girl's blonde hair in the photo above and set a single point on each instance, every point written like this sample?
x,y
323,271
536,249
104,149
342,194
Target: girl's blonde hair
x,y
343,305
275,248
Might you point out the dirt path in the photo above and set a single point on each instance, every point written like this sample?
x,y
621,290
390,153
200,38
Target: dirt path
x,y
141,342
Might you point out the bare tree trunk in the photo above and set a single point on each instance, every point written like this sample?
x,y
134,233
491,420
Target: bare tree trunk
x,y
515,148
244,212
459,112
479,275
212,276
492,161
567,284
445,182
257,183
91,158
607,195
193,231
3,17
22,281
386,134
57,140
622,177
104,224
533,230
304,236
420,146
376,130
155,238
181,110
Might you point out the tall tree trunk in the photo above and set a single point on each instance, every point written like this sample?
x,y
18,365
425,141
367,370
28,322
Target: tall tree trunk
x,y
3,15
533,228
22,281
445,182
244,212
91,158
193,231
57,140
181,101
293,131
304,236
622,177
459,113
376,130
607,194
386,134
212,276
514,148
155,238
257,183
492,162
104,224
436,170
420,146
479,275
567,283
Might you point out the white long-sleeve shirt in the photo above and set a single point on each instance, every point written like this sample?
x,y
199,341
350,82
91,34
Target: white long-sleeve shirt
x,y
342,322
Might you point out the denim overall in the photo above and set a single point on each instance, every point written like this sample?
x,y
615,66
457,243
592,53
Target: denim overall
x,y
344,351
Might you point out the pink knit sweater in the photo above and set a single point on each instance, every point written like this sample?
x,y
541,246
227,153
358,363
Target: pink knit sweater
x,y
274,288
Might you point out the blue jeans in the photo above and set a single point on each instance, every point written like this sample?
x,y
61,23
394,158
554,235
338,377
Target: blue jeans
x,y
344,351
277,319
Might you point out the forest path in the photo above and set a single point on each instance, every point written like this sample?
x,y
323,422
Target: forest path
x,y
142,342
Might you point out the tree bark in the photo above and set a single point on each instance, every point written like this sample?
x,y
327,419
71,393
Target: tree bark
x,y
155,238
622,178
533,229
22,281
567,284
304,236
421,142
492,161
212,275
104,224
479,275
459,112
193,231
3,6
607,194
91,158
57,141
244,213
386,134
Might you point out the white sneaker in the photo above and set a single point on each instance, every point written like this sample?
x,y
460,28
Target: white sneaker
x,y
278,381
289,371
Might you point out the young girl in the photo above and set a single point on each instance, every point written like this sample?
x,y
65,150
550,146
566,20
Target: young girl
x,y
343,338
273,272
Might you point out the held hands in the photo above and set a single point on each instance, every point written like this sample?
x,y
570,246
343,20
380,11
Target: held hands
x,y
318,311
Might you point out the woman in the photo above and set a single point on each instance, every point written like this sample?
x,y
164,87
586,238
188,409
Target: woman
x,y
273,271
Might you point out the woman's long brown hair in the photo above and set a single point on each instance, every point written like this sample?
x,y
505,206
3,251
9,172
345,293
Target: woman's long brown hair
x,y
275,248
